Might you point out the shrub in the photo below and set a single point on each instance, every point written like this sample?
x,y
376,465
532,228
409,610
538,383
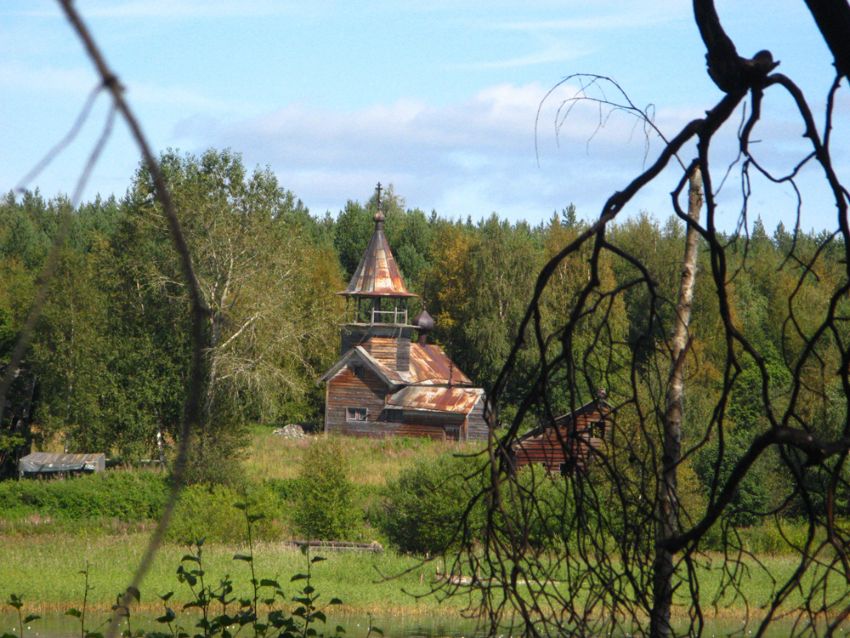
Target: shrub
x,y
127,496
758,492
208,512
217,453
324,508
421,511
540,505
288,490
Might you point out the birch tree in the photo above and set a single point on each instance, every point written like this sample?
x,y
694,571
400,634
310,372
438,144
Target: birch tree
x,y
272,313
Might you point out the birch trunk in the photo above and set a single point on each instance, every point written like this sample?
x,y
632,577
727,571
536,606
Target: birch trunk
x,y
667,507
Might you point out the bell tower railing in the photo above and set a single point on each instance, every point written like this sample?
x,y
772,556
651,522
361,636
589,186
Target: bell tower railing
x,y
396,316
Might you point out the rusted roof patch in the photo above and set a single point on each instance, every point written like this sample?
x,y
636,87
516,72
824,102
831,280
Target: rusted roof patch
x,y
377,275
436,398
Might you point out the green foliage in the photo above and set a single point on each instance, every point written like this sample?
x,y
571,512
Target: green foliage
x,y
269,291
756,494
289,490
217,452
543,502
207,511
422,510
126,496
768,537
221,610
352,231
15,601
324,509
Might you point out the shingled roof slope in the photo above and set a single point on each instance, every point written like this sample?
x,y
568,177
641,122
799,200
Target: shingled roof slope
x,y
377,274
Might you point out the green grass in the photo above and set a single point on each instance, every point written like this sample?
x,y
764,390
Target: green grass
x,y
373,461
45,547
45,570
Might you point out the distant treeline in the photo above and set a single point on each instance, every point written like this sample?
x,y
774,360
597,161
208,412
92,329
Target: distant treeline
x,y
109,358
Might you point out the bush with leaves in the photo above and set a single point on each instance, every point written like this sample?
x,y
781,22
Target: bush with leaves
x,y
126,496
423,508
206,511
324,507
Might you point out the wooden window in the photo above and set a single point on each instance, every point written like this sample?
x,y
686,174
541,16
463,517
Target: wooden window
x,y
597,430
356,414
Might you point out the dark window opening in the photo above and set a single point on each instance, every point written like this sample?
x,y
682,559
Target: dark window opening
x,y
356,414
358,370
597,429
567,467
394,415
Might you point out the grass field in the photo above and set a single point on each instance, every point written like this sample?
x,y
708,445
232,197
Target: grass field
x,y
45,570
372,461
43,562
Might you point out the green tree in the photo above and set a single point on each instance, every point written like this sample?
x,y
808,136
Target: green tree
x,y
324,508
272,314
423,509
354,227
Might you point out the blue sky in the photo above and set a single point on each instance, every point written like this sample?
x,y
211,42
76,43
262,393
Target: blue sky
x,y
438,98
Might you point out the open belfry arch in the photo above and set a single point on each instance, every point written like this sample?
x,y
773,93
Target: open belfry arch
x,y
385,383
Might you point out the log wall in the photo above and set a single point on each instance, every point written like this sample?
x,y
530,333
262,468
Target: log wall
x,y
349,390
562,445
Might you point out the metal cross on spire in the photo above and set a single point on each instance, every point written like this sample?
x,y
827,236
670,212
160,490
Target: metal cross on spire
x,y
379,215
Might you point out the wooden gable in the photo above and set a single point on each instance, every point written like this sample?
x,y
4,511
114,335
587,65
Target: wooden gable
x,y
569,443
355,388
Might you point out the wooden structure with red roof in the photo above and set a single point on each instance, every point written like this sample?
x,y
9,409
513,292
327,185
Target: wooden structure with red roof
x,y
385,383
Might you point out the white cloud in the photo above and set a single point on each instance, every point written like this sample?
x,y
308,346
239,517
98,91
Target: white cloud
x,y
80,80
471,157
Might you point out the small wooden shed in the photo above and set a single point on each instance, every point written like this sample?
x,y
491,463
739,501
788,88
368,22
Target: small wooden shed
x,y
567,444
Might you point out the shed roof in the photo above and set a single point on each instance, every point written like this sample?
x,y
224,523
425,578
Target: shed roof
x,y
46,462
436,398
377,274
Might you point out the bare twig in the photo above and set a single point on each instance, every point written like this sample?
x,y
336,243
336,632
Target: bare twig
x,y
198,307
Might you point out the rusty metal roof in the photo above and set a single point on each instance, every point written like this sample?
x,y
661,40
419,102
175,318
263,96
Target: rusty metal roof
x,y
564,421
377,275
436,398
429,364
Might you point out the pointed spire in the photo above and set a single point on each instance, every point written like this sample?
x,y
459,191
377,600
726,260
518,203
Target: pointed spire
x,y
377,275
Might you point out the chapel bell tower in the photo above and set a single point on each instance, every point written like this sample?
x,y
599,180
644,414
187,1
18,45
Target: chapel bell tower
x,y
377,301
